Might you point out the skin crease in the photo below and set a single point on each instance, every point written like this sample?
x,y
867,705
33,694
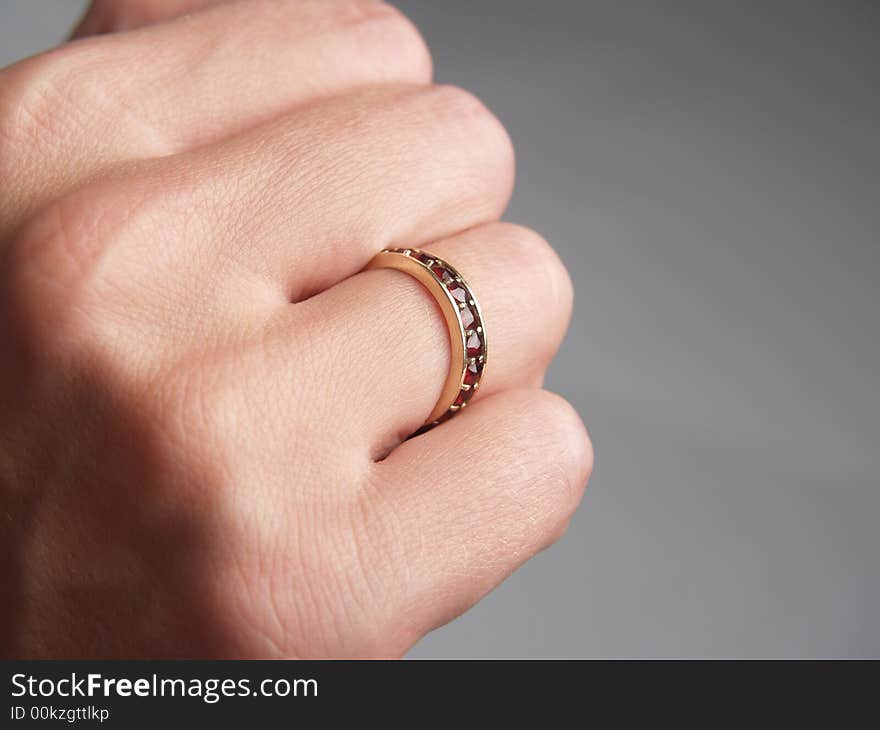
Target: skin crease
x,y
203,404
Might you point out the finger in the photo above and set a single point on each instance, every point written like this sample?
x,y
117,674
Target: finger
x,y
70,113
456,510
108,16
389,325
223,238
315,195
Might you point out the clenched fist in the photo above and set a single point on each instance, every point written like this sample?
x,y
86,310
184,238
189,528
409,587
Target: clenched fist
x,y
204,398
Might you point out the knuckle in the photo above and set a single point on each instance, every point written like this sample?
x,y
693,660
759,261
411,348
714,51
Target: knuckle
x,y
61,247
455,104
560,435
392,44
60,100
40,95
468,119
456,101
56,267
46,272
530,252
397,34
28,92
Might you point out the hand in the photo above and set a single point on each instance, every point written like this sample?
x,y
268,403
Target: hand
x,y
203,404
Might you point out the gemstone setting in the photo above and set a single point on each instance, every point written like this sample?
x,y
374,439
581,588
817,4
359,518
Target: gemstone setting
x,y
470,319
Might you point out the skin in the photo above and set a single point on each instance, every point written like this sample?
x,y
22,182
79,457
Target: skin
x,y
204,402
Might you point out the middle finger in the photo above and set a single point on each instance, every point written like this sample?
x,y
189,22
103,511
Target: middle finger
x,y
174,86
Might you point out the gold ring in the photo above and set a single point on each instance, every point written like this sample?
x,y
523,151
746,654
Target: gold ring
x,y
464,320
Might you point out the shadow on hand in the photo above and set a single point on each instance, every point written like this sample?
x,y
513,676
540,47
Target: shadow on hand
x,y
107,539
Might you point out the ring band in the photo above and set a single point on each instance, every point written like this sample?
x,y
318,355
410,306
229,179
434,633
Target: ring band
x,y
464,320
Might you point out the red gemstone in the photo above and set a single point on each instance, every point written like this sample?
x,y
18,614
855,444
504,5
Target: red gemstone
x,y
439,270
471,375
467,317
458,292
474,344
461,398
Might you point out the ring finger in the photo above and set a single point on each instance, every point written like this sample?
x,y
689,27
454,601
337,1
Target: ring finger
x,y
389,325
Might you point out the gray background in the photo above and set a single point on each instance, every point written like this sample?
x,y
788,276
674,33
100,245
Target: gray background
x,y
709,172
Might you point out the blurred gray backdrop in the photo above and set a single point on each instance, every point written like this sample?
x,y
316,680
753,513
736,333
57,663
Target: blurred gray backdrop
x,y
710,172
